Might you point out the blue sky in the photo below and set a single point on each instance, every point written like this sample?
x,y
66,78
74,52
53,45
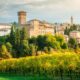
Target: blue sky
x,y
49,10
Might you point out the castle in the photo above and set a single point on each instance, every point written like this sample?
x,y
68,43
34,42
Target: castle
x,y
35,27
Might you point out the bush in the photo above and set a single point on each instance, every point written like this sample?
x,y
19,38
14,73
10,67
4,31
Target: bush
x,y
47,65
4,52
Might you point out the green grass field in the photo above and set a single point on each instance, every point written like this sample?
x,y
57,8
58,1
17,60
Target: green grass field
x,y
22,78
34,78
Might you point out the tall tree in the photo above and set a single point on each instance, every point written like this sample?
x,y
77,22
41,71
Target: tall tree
x,y
12,36
17,37
24,34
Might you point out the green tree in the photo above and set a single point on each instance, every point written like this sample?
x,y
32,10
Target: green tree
x,y
52,42
64,46
72,43
2,39
67,31
72,28
4,52
33,49
33,40
12,36
9,47
17,37
47,41
41,42
24,48
60,39
24,34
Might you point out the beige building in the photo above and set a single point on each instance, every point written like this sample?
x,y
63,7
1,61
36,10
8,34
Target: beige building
x,y
66,38
5,29
37,27
76,35
61,27
21,17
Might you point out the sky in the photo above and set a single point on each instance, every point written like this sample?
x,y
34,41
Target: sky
x,y
53,11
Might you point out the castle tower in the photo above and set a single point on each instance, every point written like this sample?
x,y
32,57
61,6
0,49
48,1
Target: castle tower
x,y
72,20
22,17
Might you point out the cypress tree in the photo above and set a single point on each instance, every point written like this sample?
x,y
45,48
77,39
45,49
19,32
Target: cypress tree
x,y
12,36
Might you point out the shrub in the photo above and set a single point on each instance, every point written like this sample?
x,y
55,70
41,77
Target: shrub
x,y
48,64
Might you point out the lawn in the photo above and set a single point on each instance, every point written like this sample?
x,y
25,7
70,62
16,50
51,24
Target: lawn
x,y
22,78
34,78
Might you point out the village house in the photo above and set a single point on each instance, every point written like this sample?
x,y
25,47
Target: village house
x,y
76,35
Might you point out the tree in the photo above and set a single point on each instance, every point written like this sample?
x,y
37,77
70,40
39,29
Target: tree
x,y
17,37
24,48
24,34
67,31
33,49
2,40
41,42
72,28
60,39
47,41
9,47
64,46
12,36
4,52
32,40
72,43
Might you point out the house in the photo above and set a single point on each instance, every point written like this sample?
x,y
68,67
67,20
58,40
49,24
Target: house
x,y
5,29
76,35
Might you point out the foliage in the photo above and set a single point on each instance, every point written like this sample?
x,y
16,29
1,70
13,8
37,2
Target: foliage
x,y
64,46
4,52
2,39
24,48
47,65
33,49
72,28
24,34
18,39
9,47
11,38
73,43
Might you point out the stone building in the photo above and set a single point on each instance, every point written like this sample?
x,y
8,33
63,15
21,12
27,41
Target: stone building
x,y
76,35
21,17
60,28
5,29
35,27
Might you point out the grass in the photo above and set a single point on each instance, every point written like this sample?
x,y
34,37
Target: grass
x,y
36,77
33,78
22,78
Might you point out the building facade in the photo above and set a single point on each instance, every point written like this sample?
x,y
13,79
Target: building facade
x,y
21,17
5,29
37,27
60,28
76,35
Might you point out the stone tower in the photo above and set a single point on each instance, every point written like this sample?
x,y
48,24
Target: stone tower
x,y
22,17
72,20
